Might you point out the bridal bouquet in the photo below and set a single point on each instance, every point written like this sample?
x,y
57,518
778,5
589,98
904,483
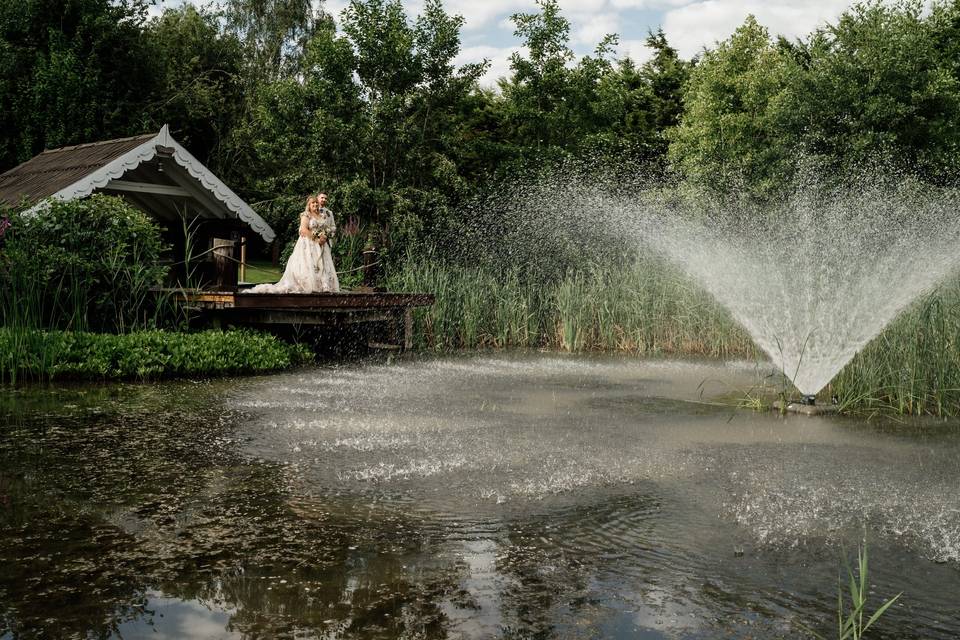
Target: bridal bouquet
x,y
325,229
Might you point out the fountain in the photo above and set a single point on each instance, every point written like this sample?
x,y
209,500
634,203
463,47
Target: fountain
x,y
813,277
806,406
818,277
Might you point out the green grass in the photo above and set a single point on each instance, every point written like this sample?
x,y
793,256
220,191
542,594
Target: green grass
x,y
260,271
646,308
913,366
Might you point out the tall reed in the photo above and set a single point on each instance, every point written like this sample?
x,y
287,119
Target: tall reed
x,y
913,366
649,307
642,308
852,609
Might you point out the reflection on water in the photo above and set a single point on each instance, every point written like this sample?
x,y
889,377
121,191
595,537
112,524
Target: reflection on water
x,y
513,497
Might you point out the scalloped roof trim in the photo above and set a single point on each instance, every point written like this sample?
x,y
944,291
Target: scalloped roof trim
x,y
115,169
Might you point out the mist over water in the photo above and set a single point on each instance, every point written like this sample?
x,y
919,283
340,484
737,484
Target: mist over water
x,y
813,276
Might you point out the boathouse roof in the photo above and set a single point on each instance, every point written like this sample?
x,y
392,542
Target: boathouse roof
x,y
154,172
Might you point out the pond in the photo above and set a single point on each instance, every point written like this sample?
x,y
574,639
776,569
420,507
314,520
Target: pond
x,y
513,496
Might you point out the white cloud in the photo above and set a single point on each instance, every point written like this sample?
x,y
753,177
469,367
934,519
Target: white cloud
x,y
507,24
636,50
581,7
647,4
478,14
156,9
333,7
702,23
591,30
499,58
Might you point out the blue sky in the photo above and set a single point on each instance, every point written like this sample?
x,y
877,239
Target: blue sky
x,y
690,25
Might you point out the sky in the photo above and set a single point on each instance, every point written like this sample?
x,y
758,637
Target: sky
x,y
690,25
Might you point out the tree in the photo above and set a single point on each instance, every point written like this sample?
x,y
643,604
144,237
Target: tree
x,y
638,105
536,95
882,83
666,74
61,78
274,33
735,130
199,72
375,114
555,105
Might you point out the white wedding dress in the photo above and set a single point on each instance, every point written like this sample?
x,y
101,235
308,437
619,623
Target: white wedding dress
x,y
310,267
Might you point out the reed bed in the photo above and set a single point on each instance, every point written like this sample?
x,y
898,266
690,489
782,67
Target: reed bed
x,y
644,308
913,367
648,307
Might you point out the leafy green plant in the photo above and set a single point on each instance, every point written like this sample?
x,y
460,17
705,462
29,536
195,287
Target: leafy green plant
x,y
852,610
35,354
80,264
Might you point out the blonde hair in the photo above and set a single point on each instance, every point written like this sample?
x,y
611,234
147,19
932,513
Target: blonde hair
x,y
306,207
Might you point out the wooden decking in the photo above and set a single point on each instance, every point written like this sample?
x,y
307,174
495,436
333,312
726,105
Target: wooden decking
x,y
391,310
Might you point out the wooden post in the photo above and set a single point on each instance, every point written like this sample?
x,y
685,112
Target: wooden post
x,y
407,328
370,271
397,328
226,269
243,259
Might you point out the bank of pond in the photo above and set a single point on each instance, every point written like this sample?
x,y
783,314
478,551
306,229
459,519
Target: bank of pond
x,y
912,368
640,305
651,309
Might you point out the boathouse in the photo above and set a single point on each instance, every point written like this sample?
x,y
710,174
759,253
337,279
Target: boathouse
x,y
156,174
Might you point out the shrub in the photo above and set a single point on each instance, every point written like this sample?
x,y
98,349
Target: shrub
x,y
80,264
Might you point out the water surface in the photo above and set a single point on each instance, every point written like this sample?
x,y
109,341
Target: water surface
x,y
485,496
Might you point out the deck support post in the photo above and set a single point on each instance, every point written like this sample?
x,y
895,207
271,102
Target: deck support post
x,y
407,328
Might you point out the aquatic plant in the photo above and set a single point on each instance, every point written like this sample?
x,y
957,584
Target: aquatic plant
x,y
644,307
33,354
913,367
852,610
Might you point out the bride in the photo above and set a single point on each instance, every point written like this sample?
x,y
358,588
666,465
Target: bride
x,y
310,267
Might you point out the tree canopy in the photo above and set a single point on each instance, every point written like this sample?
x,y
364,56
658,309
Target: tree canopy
x,y
880,85
282,98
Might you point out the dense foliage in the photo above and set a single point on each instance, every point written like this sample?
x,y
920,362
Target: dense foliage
x,y
61,78
882,84
83,264
31,354
281,99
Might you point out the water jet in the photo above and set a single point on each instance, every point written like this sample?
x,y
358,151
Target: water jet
x,y
812,302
